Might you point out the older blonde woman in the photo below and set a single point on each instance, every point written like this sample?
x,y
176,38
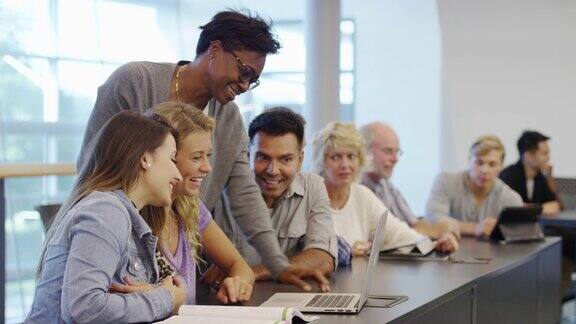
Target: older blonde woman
x,y
340,154
475,196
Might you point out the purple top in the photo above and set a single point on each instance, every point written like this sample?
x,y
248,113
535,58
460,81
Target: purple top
x,y
183,259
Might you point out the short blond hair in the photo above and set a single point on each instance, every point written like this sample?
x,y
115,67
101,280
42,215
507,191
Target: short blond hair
x,y
337,135
485,144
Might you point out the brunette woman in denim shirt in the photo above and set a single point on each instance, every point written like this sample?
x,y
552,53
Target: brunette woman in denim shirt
x,y
98,237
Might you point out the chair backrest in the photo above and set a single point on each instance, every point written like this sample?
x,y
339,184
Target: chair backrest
x,y
47,213
567,192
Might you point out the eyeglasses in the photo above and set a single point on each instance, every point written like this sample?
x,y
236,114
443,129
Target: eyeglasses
x,y
247,74
391,151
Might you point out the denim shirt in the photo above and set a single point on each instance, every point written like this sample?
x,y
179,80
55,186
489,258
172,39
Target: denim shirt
x,y
101,239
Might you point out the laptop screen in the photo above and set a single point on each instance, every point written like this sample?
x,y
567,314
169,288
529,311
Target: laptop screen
x,y
374,254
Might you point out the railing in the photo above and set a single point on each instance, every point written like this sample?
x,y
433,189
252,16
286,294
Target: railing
x,y
21,170
32,170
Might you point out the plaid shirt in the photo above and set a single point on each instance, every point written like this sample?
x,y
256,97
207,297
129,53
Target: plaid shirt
x,y
344,252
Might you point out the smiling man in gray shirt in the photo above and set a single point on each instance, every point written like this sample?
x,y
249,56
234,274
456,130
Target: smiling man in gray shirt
x,y
298,202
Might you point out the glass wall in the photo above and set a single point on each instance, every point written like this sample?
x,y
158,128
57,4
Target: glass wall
x,y
282,82
53,56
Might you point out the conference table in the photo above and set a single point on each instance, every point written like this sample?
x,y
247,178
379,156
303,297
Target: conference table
x,y
520,284
566,219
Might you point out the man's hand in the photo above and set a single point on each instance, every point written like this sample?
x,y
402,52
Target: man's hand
x,y
448,224
546,170
294,275
447,242
485,227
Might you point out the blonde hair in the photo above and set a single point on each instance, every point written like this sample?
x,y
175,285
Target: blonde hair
x,y
485,144
187,120
337,135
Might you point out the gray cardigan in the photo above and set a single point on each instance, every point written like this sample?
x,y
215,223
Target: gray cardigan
x,y
140,86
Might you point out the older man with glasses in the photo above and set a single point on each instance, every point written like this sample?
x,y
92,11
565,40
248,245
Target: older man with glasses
x,y
230,56
383,146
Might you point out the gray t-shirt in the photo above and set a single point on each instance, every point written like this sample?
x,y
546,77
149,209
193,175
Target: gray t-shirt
x,y
140,86
451,197
302,219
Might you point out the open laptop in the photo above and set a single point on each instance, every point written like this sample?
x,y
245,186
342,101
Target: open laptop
x,y
334,302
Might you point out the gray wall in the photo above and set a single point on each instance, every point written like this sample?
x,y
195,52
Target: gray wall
x,y
398,81
507,66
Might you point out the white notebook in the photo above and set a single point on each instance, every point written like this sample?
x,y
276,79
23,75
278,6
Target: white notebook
x,y
237,315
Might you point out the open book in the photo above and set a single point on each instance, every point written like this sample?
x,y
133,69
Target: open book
x,y
237,315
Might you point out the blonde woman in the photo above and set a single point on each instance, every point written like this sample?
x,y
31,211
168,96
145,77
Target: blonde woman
x,y
340,155
475,196
187,226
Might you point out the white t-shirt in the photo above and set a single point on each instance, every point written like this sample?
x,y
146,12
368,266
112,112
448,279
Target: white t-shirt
x,y
357,220
529,188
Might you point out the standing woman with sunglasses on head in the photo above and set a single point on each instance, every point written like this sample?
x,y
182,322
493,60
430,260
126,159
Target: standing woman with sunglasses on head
x,y
98,237
230,56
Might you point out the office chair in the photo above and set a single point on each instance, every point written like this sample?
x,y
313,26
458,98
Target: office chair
x,y
567,192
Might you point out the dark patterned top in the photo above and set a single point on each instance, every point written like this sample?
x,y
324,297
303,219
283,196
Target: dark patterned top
x,y
164,266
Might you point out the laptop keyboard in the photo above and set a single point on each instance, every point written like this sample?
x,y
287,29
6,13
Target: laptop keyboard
x,y
327,300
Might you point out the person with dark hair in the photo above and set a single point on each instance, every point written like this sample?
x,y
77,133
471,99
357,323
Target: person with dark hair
x,y
98,239
298,202
276,122
531,176
230,57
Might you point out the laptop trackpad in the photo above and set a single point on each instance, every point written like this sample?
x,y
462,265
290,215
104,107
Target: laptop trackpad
x,y
288,300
